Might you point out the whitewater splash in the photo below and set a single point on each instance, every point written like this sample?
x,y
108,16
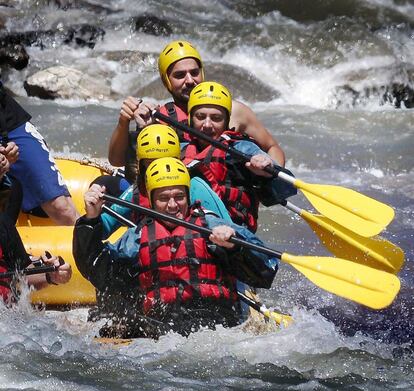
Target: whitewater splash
x,y
56,349
363,57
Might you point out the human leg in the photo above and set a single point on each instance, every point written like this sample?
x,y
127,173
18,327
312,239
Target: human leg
x,y
14,252
41,180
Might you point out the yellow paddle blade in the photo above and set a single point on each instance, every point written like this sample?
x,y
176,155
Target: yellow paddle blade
x,y
251,300
362,284
355,211
113,341
280,319
374,252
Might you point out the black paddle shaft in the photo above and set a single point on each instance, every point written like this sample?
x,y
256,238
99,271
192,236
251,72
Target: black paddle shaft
x,y
187,224
28,272
252,303
273,170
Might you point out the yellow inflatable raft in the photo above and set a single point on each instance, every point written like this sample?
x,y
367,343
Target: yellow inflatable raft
x,y
39,234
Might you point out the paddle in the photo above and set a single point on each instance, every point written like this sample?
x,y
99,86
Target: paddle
x,y
120,218
357,212
362,284
375,252
286,320
31,271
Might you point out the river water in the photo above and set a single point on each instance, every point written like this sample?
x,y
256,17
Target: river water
x,y
316,74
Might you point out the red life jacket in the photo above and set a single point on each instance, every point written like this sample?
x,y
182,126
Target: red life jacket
x,y
171,110
139,199
228,178
176,266
4,282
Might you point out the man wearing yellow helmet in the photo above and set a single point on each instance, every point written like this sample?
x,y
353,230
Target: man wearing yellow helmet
x,y
181,280
240,186
181,69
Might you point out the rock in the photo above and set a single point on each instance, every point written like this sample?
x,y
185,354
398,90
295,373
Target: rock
x,y
83,4
400,94
66,83
84,35
241,83
81,35
155,89
14,56
2,22
396,87
153,25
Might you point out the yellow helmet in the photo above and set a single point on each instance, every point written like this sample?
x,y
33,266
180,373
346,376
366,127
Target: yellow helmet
x,y
209,93
174,52
156,141
166,171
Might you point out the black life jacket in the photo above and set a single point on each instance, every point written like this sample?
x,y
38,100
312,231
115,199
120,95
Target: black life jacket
x,y
12,115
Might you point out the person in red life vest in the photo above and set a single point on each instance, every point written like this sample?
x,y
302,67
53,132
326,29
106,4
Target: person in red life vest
x,y
239,185
13,256
181,69
182,280
155,141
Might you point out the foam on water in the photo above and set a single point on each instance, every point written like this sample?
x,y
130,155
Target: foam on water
x,y
65,334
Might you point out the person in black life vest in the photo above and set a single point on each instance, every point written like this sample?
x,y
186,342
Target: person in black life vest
x,y
11,194
43,188
183,280
181,68
239,185
13,256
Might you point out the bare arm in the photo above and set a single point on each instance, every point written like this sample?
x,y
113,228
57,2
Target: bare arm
x,y
245,121
118,144
132,109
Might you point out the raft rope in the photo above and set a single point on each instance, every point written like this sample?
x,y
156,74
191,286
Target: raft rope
x,y
101,164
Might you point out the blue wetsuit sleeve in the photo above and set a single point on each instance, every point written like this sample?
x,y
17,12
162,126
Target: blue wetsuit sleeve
x,y
271,190
105,265
127,246
201,191
111,224
250,266
248,148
